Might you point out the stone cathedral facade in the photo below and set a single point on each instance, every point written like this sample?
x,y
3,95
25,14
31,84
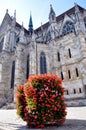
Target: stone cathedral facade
x,y
57,47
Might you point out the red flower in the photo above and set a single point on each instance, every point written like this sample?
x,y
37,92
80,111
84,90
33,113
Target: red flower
x,y
40,100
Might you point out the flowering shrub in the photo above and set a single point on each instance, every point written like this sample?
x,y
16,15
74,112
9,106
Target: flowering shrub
x,y
40,101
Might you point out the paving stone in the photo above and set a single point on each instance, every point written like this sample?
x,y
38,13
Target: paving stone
x,y
76,120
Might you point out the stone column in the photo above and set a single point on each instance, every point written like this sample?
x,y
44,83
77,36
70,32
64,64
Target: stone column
x,y
83,59
32,60
33,54
5,84
2,98
20,67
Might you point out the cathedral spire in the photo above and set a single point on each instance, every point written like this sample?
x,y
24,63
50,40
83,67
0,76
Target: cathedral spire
x,y
7,11
30,29
15,14
41,27
14,19
52,15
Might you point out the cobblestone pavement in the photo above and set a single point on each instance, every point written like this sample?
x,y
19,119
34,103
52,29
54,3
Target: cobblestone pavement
x,y
76,120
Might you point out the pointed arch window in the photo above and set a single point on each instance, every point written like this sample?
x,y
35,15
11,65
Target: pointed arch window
x,y
43,67
48,36
77,73
27,67
13,74
68,27
0,72
58,56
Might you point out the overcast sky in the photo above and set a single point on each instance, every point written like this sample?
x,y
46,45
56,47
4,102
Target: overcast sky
x,y
38,8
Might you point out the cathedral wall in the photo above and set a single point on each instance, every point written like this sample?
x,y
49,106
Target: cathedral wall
x,y
82,41
74,89
69,66
5,84
83,70
64,49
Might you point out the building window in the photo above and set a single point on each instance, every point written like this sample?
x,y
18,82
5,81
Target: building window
x,y
80,91
48,36
17,39
68,27
43,68
13,74
74,91
1,44
85,21
27,67
77,73
85,88
69,51
52,16
58,55
66,92
62,75
0,72
69,74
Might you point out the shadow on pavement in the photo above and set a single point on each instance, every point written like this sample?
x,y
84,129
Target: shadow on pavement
x,y
70,124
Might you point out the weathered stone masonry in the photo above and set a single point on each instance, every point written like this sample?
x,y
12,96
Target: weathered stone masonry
x,y
57,47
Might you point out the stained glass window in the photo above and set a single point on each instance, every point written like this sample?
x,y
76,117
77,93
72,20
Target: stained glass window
x,y
68,27
43,68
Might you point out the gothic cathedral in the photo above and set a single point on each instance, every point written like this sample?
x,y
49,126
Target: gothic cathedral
x,y
57,47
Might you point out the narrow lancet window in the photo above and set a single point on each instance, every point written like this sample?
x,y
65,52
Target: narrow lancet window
x,y
77,73
58,55
67,92
80,91
69,52
74,91
69,74
27,67
13,74
62,75
43,67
